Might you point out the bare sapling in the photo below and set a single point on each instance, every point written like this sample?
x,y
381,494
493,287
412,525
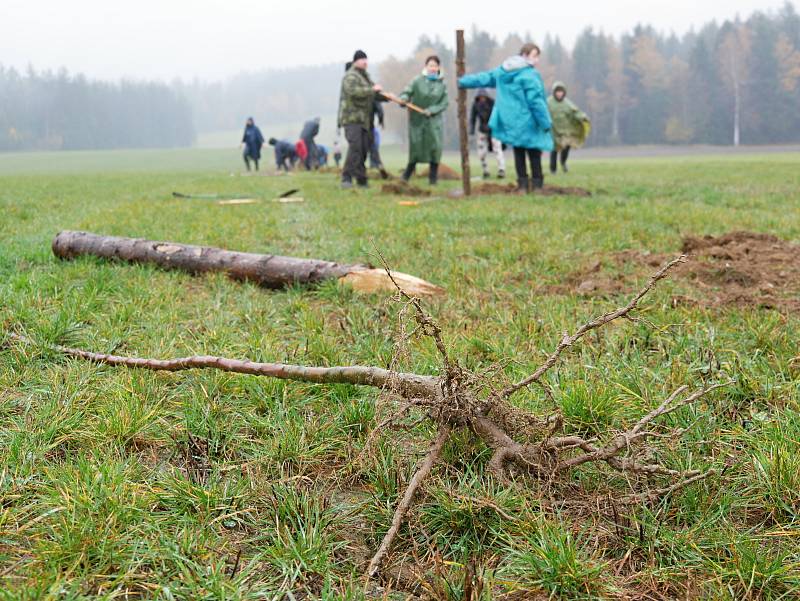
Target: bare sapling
x,y
523,445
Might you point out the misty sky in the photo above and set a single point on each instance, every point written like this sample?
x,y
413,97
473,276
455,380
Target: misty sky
x,y
212,39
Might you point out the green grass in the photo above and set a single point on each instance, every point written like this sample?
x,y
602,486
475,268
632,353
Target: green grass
x,y
202,485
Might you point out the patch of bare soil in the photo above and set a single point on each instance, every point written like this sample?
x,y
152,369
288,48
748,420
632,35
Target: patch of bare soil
x,y
511,188
736,269
403,189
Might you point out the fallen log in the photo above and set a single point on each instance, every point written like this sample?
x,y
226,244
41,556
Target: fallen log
x,y
271,271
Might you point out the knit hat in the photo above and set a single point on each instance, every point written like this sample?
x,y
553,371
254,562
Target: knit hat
x,y
359,55
272,141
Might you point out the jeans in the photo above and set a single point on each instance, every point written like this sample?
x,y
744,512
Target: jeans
x,y
483,152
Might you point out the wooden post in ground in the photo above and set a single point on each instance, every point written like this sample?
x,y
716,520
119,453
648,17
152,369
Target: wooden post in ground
x,y
462,114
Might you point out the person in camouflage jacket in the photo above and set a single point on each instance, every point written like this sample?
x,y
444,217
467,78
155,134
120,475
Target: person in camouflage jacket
x,y
356,117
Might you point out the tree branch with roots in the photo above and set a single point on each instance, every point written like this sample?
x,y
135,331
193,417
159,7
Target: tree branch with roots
x,y
522,444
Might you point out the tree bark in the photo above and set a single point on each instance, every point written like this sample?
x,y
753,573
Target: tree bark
x,y
462,115
271,271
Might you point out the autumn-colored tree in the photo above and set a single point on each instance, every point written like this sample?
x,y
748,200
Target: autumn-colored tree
x,y
788,58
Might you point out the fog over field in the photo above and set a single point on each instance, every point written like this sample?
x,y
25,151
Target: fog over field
x,y
91,75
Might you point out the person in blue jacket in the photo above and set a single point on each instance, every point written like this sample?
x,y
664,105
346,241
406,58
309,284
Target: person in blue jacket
x,y
285,154
252,140
322,155
520,117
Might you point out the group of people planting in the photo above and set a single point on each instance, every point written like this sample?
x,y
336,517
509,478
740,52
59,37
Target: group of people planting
x,y
521,117
305,151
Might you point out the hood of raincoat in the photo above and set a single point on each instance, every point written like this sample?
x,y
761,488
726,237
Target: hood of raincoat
x,y
438,77
559,85
515,63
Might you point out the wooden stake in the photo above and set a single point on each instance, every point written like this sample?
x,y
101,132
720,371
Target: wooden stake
x,y
462,114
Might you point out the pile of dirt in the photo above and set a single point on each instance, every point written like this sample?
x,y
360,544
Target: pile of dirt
x,y
511,188
403,189
736,269
445,173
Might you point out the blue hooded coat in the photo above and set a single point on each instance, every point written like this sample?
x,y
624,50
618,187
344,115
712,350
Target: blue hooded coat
x,y
253,140
520,117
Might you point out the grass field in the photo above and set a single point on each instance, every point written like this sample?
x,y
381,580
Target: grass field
x,y
127,484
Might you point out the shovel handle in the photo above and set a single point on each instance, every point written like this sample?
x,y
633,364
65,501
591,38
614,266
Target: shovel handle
x,y
402,102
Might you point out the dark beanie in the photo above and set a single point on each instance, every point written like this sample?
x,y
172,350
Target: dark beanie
x,y
359,55
272,141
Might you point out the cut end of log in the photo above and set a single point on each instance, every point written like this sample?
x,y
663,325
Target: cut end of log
x,y
377,280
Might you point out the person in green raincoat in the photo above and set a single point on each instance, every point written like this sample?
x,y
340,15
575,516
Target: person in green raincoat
x,y
427,91
570,126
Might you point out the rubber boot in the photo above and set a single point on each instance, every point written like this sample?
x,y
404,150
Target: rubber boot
x,y
553,162
522,185
409,171
433,174
537,183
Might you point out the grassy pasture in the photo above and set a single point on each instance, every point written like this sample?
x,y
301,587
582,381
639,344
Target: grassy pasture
x,y
201,485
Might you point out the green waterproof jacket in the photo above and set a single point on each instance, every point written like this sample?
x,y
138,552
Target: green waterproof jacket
x,y
356,98
425,133
570,124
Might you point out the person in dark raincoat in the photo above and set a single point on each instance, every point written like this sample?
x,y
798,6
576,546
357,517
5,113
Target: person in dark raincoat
x,y
425,131
356,106
285,154
570,126
479,115
307,135
520,117
252,140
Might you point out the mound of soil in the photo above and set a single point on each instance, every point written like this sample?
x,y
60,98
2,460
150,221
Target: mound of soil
x,y
511,188
445,173
739,268
403,189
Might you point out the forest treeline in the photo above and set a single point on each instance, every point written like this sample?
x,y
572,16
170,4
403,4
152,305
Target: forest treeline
x,y
726,83
731,82
60,111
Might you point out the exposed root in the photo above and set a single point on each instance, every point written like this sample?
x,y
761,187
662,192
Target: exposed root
x,y
408,498
521,443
